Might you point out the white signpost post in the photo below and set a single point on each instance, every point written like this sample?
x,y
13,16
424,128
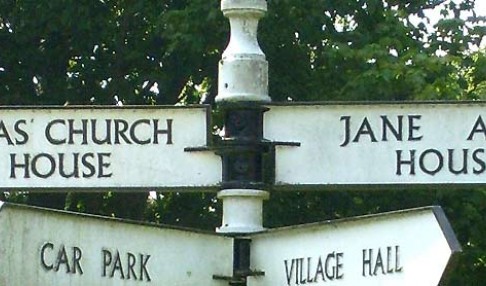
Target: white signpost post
x,y
401,248
87,148
46,247
378,144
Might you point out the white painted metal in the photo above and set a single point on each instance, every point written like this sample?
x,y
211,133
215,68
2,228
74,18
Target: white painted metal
x,y
243,77
432,132
242,210
414,248
126,164
41,247
243,70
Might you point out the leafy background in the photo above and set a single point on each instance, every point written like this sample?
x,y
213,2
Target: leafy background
x,y
109,52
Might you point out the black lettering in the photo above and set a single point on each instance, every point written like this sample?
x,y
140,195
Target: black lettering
x,y
389,269
379,263
478,127
319,270
412,127
103,165
451,162
367,262
297,271
143,267
133,133
440,162
4,133
346,130
86,163
131,263
121,126
82,131
62,259
51,166
479,161
328,259
167,131
288,271
410,162
107,258
117,266
44,264
48,135
24,165
24,136
309,278
387,125
398,267
107,138
301,268
77,255
339,265
75,171
365,129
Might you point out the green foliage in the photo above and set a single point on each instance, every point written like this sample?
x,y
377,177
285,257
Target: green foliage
x,y
103,52
369,50
196,210
166,52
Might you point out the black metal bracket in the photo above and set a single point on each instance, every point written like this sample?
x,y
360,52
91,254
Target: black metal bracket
x,y
241,264
248,162
247,158
242,145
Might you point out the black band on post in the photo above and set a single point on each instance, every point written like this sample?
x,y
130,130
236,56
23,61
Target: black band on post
x,y
242,146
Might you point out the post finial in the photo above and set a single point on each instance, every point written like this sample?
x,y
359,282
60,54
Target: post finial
x,y
243,69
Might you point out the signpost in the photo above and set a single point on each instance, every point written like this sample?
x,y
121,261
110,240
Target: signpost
x,y
369,145
46,247
153,148
401,248
88,148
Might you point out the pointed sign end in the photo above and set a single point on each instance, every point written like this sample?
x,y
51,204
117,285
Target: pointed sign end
x,y
446,227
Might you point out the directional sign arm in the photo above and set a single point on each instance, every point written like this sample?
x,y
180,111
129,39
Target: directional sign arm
x,y
403,248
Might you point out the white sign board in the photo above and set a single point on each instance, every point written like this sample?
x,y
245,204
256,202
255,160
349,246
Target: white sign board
x,y
99,148
45,247
379,144
401,249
